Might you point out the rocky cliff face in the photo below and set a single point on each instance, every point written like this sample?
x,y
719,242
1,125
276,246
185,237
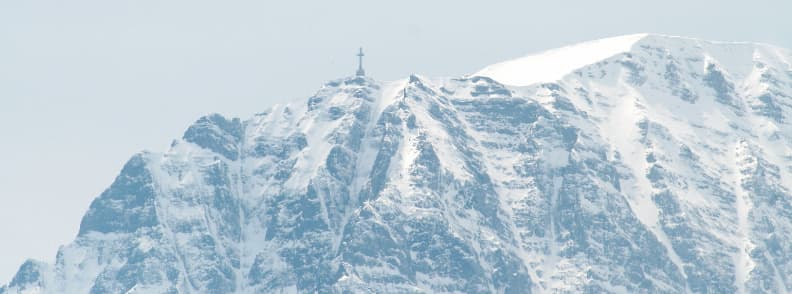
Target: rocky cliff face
x,y
662,165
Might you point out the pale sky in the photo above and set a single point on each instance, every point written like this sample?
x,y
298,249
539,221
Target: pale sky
x,y
84,84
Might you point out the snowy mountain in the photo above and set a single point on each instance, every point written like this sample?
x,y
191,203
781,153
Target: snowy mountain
x,y
635,164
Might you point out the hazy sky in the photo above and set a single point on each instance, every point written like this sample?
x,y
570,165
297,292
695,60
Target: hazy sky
x,y
84,84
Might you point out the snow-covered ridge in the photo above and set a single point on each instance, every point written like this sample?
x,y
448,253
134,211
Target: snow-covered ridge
x,y
552,65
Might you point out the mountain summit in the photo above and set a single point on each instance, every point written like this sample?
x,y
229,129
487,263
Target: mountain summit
x,y
635,164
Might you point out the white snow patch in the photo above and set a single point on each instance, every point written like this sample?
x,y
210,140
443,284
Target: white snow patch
x,y
743,263
556,157
552,65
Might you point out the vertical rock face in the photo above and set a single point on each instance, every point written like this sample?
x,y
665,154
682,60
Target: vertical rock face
x,y
663,168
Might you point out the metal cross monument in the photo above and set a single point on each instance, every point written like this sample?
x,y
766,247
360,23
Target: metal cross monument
x,y
360,71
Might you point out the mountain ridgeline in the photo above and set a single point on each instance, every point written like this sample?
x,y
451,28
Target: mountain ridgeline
x,y
635,164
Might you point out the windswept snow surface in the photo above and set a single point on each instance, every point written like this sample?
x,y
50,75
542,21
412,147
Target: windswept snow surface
x,y
635,164
552,65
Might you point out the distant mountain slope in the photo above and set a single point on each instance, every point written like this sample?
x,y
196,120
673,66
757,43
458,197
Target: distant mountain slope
x,y
636,164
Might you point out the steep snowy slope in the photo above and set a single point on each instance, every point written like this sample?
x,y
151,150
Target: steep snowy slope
x,y
649,164
552,65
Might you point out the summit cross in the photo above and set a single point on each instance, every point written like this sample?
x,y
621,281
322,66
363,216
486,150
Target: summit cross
x,y
360,71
